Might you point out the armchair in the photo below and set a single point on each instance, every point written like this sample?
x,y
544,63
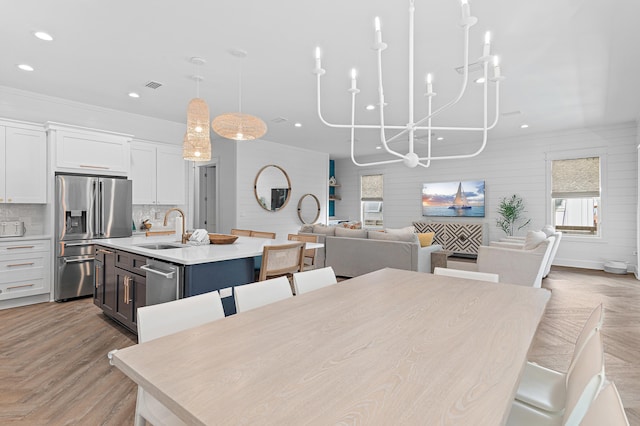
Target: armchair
x,y
516,265
518,243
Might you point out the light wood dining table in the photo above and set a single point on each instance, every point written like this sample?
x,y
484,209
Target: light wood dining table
x,y
389,347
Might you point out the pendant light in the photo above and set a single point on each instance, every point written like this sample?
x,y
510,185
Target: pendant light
x,y
196,145
236,125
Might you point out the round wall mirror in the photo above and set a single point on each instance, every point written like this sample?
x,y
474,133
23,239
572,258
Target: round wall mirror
x,y
272,188
308,208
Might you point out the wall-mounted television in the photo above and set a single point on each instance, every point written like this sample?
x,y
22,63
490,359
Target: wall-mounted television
x,y
453,199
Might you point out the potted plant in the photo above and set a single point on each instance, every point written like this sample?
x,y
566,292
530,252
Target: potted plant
x,y
510,213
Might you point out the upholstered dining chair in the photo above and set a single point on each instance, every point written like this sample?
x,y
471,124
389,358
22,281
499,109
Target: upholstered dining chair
x,y
607,409
470,275
263,234
544,388
254,295
241,232
304,282
156,321
281,259
583,384
309,254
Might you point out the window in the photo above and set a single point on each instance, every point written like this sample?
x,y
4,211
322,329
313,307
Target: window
x,y
371,204
576,195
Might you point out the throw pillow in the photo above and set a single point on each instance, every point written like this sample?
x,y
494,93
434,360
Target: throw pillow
x,y
351,225
307,229
548,230
533,239
426,239
406,229
324,229
351,233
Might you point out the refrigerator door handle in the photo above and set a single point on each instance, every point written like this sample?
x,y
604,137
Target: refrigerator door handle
x,y
95,206
90,259
79,244
101,217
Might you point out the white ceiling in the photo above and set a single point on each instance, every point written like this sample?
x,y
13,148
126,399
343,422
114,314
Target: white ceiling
x,y
569,63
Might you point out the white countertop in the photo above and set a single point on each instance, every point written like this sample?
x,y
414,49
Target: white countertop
x,y
193,255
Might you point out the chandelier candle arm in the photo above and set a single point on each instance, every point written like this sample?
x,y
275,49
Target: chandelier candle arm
x,y
411,159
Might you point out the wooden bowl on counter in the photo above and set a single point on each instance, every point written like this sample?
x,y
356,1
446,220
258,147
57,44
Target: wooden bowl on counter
x,y
222,238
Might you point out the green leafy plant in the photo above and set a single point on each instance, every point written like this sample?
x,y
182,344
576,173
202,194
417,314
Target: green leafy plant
x,y
510,213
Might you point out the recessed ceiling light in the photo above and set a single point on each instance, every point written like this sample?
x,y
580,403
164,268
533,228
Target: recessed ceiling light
x,y
43,36
524,126
378,147
25,67
298,124
134,95
439,138
479,80
370,107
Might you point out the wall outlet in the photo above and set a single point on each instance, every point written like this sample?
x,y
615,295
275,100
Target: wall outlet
x,y
225,292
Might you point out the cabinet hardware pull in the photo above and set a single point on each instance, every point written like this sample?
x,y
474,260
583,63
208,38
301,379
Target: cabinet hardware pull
x,y
20,247
89,166
19,286
20,264
104,251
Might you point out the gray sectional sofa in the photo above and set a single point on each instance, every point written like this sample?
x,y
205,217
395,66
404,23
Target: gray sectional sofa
x,y
353,252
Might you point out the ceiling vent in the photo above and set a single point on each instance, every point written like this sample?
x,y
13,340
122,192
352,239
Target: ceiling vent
x,y
279,120
476,66
153,84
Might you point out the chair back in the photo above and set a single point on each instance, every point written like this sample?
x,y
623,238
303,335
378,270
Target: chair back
x,y
607,409
281,260
241,232
309,254
593,324
304,282
470,275
254,295
155,321
263,234
545,260
585,380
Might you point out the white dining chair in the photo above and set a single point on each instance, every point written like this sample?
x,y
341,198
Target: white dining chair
x,y
304,282
156,321
470,275
544,388
583,384
607,409
254,295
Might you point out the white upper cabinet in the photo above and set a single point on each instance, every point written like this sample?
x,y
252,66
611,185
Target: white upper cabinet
x,y
82,150
23,150
158,173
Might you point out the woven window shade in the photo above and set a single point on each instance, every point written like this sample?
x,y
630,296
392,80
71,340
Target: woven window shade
x,y
197,142
575,178
371,188
239,126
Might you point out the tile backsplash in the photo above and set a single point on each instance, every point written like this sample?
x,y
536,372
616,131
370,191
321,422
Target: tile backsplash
x,y
155,214
33,216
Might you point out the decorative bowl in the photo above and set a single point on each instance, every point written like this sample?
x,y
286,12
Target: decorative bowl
x,y
222,238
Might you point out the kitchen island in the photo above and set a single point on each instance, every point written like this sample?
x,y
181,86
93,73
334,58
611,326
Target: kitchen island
x,y
128,269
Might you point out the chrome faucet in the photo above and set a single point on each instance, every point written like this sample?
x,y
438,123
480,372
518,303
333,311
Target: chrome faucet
x,y
183,237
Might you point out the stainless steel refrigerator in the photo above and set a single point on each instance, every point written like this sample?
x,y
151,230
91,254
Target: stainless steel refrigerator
x,y
87,208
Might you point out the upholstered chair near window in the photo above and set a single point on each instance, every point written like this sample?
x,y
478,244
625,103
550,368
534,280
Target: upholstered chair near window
x,y
522,242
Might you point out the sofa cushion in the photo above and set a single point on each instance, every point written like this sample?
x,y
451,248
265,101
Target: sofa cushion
x,y
426,239
407,237
533,239
405,230
307,229
350,233
324,229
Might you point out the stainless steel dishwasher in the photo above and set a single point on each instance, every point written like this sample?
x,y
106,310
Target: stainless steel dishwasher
x,y
164,281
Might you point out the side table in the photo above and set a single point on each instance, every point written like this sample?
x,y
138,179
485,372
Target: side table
x,y
439,259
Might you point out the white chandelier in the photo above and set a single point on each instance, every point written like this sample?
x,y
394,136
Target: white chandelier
x,y
411,159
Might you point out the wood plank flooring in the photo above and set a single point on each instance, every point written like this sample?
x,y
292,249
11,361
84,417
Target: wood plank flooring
x,y
54,370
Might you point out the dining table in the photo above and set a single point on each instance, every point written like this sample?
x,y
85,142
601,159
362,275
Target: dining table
x,y
391,347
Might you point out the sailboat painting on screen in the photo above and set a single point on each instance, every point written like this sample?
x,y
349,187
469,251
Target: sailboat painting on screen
x,y
453,199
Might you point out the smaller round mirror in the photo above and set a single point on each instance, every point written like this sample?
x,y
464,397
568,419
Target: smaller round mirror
x,y
308,208
272,188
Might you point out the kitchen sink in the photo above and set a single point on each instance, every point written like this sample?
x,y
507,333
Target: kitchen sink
x,y
161,246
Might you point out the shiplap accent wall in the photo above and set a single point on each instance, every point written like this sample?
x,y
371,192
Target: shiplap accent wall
x,y
307,170
518,165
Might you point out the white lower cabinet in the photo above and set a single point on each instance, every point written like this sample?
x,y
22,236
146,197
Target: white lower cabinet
x,y
158,172
25,268
23,164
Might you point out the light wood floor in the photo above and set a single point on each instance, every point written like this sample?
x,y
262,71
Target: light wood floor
x,y
54,370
